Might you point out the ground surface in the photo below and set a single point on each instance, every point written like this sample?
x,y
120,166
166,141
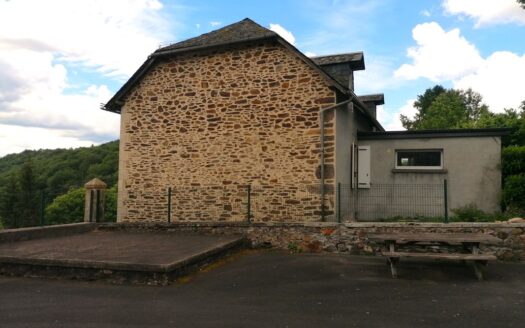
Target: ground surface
x,y
117,248
276,289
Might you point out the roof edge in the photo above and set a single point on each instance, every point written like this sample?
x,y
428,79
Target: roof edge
x,y
443,133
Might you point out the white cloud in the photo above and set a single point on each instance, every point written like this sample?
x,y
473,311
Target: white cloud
x,y
112,36
442,56
487,12
215,23
284,33
439,55
425,13
40,41
310,54
500,79
391,121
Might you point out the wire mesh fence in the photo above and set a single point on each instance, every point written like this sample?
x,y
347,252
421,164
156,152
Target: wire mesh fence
x,y
276,203
395,202
289,203
22,209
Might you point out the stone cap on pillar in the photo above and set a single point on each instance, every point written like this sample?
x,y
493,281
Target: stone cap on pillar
x,y
96,184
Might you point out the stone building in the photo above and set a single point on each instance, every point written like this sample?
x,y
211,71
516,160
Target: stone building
x,y
203,119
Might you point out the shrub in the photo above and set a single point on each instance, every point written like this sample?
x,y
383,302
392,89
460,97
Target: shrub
x,y
514,194
66,208
69,207
470,213
513,161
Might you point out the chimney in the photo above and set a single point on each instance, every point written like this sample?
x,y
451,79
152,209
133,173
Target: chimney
x,y
372,101
342,66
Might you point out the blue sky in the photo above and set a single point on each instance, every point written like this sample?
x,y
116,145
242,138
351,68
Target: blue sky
x,y
60,59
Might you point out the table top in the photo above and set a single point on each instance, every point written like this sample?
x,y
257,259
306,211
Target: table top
x,y
449,237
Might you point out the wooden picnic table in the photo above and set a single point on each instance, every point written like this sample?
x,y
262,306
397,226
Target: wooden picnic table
x,y
470,243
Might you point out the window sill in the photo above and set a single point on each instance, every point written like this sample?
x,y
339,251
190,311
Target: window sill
x,y
435,171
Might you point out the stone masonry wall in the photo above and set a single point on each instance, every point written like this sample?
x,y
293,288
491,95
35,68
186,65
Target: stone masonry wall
x,y
344,237
208,124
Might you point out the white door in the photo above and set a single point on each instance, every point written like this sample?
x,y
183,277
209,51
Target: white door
x,y
363,167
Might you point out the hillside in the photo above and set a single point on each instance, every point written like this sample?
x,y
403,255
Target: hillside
x,y
62,168
24,177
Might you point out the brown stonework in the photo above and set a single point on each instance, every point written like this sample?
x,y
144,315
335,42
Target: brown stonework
x,y
217,122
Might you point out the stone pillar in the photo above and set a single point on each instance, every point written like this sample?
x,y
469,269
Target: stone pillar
x,y
94,205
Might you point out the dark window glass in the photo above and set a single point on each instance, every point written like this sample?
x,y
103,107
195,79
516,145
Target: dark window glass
x,y
419,158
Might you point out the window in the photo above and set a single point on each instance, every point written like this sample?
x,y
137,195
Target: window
x,y
419,159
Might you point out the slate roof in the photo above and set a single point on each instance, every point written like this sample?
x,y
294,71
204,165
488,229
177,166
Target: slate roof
x,y
378,98
244,30
356,60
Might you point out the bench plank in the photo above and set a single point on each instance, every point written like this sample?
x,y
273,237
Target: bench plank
x,y
444,256
403,238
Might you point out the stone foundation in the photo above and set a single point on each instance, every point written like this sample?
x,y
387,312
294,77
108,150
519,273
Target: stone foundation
x,y
343,238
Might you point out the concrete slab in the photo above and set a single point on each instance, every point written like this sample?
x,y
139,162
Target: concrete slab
x,y
98,253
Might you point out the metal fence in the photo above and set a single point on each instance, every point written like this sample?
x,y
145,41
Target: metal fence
x,y
395,202
28,209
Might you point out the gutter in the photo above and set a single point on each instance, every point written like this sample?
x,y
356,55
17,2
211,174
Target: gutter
x,y
321,122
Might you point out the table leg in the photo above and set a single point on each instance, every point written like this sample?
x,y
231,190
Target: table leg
x,y
477,270
393,262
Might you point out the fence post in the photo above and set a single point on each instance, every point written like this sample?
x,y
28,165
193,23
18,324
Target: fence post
x,y
249,204
446,199
42,206
338,202
169,204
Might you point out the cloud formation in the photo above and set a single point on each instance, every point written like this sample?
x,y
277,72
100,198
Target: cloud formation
x,y
487,12
42,43
284,33
443,56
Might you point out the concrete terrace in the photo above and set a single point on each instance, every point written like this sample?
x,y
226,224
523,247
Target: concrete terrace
x,y
115,255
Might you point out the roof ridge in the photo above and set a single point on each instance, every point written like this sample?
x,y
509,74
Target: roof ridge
x,y
238,31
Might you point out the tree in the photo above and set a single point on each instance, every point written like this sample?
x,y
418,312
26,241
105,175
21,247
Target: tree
x,y
522,3
440,108
9,204
69,207
28,195
422,104
66,208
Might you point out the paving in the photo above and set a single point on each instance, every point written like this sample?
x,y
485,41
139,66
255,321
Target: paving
x,y
278,289
111,251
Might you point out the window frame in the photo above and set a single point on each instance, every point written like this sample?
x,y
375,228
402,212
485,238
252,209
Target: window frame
x,y
421,168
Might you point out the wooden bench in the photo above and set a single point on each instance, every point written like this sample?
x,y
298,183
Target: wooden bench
x,y
470,243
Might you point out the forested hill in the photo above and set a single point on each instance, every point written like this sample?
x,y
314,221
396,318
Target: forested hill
x,y
60,169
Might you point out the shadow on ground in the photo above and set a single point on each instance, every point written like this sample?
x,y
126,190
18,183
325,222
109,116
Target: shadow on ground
x,y
277,289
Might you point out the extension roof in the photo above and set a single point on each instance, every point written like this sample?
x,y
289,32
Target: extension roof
x,y
245,31
444,133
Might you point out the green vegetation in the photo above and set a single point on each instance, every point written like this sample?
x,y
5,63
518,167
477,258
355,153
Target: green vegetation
x,y
440,108
31,179
69,207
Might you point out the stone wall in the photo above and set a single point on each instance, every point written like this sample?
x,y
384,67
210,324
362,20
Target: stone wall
x,y
344,238
208,124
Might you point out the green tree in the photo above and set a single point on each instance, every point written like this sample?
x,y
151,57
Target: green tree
x,y
66,208
522,3
440,108
69,207
422,104
28,199
9,204
510,118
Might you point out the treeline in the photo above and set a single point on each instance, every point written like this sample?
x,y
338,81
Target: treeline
x,y
32,180
440,108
